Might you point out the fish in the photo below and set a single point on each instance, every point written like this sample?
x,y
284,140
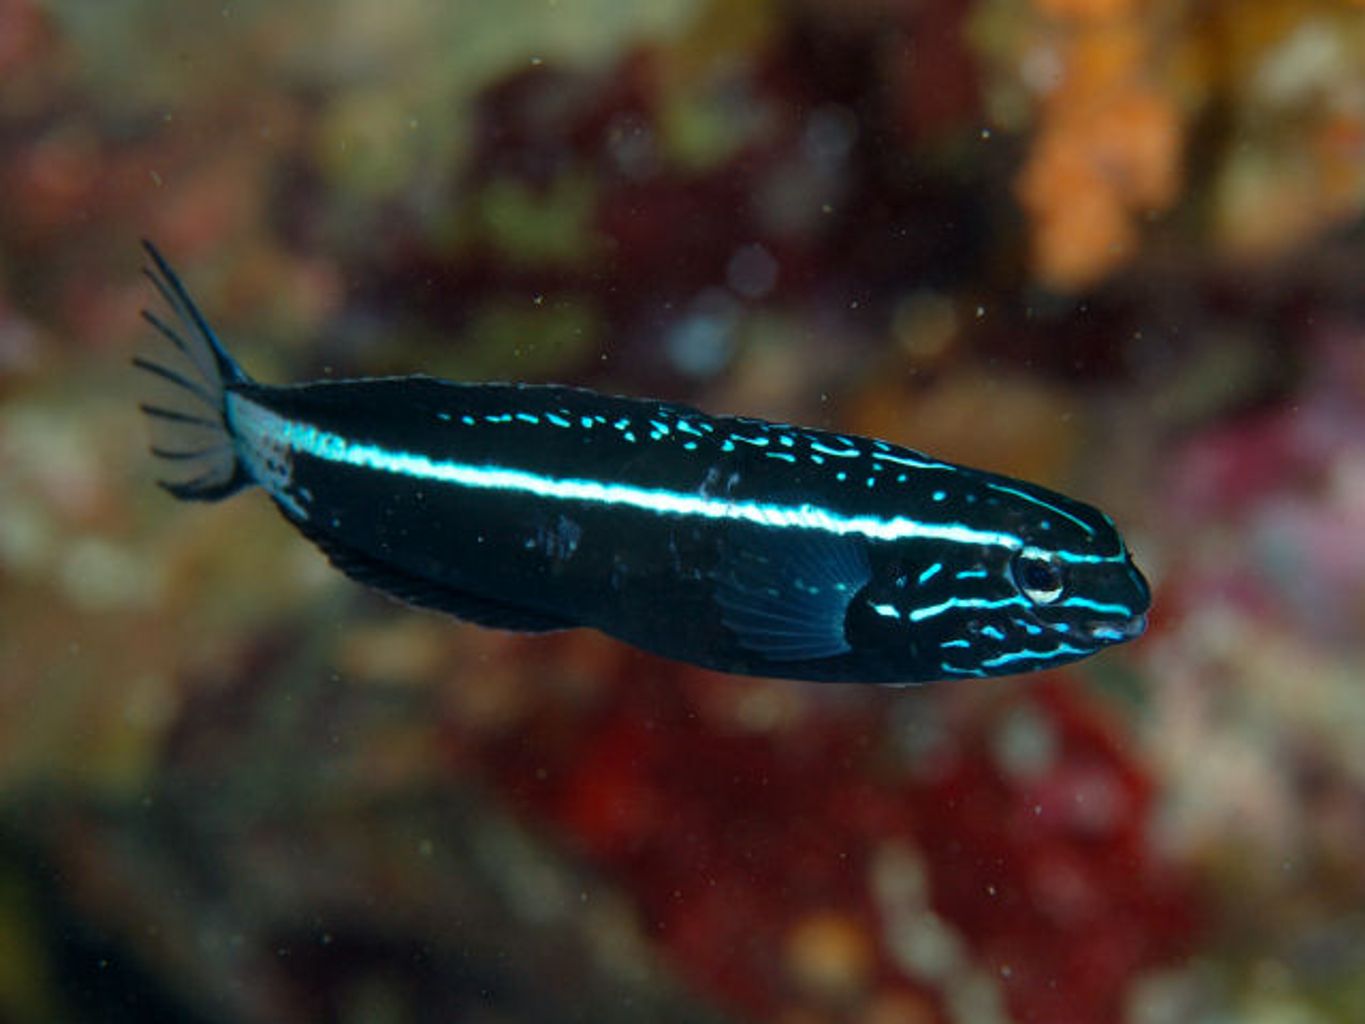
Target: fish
x,y
727,542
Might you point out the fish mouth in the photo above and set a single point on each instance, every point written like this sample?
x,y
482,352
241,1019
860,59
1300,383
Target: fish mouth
x,y
1117,632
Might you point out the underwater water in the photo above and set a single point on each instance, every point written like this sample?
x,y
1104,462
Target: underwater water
x,y
1111,247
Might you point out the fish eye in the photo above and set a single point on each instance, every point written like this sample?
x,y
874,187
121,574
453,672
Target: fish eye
x,y
1038,577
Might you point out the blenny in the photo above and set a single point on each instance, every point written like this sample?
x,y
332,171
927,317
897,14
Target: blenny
x,y
727,542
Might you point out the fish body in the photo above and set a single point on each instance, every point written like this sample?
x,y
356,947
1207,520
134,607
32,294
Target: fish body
x,y
732,543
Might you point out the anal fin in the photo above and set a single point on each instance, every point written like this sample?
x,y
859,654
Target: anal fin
x,y
424,593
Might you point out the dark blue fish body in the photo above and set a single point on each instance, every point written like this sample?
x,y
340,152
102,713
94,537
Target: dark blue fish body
x,y
732,543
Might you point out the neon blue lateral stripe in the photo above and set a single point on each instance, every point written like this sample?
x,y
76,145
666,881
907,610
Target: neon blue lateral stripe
x,y
265,427
331,447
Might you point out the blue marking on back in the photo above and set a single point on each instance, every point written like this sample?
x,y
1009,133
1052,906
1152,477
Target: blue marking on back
x,y
914,463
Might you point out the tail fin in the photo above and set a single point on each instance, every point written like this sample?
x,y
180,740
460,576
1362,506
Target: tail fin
x,y
187,415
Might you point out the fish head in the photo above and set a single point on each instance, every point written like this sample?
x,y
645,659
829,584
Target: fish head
x,y
1050,581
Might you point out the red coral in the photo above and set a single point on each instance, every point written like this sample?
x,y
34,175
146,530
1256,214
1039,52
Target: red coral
x,y
751,853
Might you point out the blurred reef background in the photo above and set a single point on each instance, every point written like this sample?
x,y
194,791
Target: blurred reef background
x,y
1114,246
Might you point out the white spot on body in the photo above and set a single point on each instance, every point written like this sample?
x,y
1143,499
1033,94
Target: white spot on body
x,y
560,540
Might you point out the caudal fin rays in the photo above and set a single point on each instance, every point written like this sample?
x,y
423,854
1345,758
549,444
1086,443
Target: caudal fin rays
x,y
186,412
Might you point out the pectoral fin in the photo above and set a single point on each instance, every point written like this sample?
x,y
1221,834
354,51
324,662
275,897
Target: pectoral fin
x,y
786,598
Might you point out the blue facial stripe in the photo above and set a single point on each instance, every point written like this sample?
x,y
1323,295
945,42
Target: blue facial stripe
x,y
1034,499
956,670
920,614
1099,607
1060,652
1075,558
331,447
929,573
